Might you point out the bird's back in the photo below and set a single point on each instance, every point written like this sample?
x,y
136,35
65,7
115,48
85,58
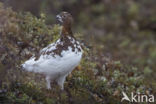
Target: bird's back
x,y
60,57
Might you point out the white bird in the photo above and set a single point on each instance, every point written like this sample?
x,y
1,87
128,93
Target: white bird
x,y
57,60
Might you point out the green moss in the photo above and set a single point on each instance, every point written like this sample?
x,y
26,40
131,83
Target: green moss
x,y
98,79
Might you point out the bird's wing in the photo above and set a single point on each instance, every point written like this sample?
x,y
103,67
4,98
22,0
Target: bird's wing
x,y
50,47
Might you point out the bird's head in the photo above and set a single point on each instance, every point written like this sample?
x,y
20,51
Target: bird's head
x,y
65,18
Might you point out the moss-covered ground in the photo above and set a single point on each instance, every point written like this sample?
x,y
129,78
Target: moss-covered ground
x,y
123,58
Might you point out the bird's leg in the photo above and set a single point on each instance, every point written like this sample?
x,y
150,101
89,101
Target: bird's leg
x,y
60,81
48,82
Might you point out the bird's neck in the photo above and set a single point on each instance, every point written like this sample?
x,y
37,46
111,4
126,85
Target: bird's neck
x,y
66,30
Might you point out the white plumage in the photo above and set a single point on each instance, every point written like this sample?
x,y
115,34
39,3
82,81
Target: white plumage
x,y
58,59
55,67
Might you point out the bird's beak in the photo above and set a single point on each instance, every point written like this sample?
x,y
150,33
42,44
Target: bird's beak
x,y
59,18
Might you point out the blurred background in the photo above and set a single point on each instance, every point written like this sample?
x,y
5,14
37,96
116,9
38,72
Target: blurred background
x,y
121,30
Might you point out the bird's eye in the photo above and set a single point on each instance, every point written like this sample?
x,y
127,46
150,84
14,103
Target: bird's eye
x,y
63,16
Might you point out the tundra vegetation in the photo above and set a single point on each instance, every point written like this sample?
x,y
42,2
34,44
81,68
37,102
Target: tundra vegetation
x,y
119,52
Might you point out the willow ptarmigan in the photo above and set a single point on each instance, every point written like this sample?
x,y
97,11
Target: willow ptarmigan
x,y
58,59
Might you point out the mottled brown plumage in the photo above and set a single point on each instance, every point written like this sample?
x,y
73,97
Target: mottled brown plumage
x,y
65,42
58,59
66,20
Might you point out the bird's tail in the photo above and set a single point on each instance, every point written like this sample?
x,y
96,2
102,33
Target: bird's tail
x,y
29,65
